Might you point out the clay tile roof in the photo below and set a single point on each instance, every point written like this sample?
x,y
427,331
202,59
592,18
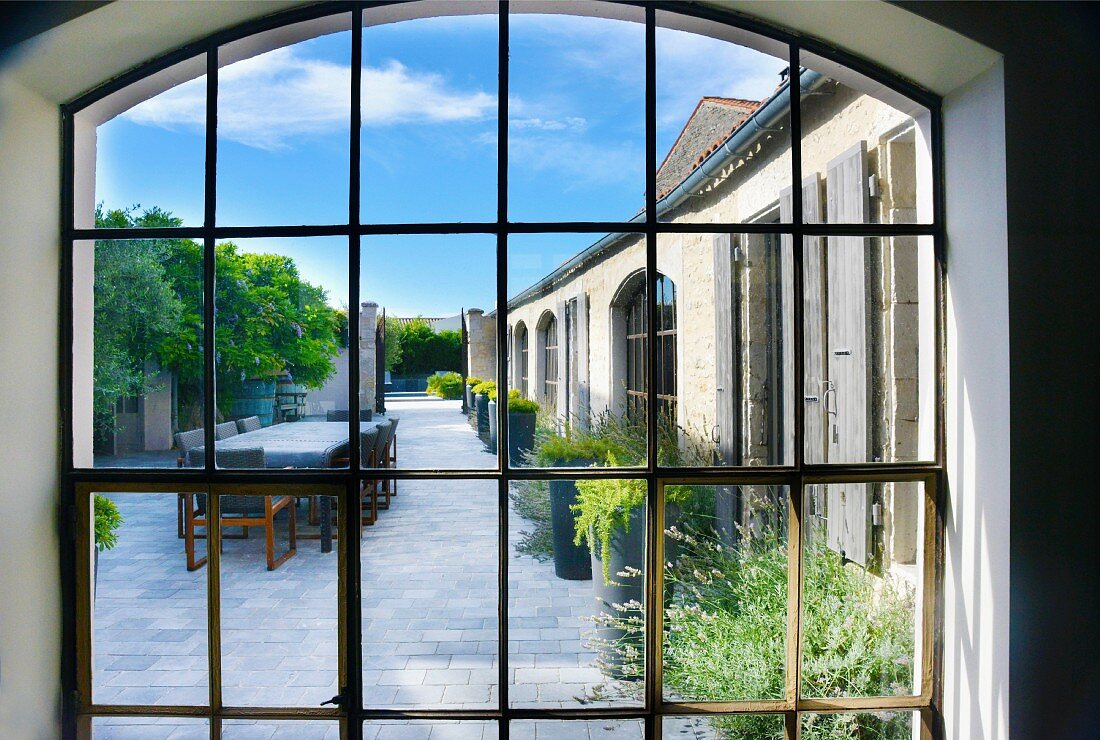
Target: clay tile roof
x,y
711,123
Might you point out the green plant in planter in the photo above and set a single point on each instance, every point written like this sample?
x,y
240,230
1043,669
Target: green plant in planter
x,y
605,505
107,521
473,381
518,405
488,387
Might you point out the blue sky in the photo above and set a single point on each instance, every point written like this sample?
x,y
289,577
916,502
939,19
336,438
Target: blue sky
x,y
428,143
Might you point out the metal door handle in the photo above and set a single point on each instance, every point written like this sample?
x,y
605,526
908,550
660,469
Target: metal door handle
x,y
829,388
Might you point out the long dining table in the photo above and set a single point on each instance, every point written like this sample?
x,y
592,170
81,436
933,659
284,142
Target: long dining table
x,y
296,444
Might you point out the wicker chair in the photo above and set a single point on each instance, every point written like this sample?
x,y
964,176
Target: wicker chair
x,y
250,424
345,414
368,491
242,511
225,430
391,462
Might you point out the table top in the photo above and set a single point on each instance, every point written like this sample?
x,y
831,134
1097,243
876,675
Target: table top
x,y
296,444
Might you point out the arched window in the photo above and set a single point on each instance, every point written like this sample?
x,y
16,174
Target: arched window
x,y
549,362
337,135
520,339
637,351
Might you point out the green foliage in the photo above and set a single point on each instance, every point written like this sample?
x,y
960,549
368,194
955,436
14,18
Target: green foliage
x,y
395,334
473,381
725,639
148,305
519,405
423,350
604,506
488,387
447,386
107,521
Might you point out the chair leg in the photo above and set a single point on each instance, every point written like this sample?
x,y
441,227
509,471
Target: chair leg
x,y
269,526
189,533
179,516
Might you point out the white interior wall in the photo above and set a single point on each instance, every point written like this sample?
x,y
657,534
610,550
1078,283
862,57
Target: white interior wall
x,y
30,254
74,57
976,583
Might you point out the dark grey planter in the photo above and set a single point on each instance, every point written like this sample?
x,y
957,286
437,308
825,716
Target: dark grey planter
x,y
492,413
571,562
521,437
483,416
467,390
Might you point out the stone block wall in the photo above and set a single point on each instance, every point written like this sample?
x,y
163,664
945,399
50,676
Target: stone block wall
x,y
368,363
482,350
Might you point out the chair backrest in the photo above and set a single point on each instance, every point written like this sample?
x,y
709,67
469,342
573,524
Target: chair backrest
x,y
187,441
225,430
368,440
385,431
339,415
250,424
393,423
245,457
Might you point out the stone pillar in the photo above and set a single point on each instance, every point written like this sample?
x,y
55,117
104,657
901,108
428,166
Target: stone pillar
x,y
368,321
482,350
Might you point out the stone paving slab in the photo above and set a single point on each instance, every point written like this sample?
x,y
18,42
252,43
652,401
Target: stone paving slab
x,y
429,603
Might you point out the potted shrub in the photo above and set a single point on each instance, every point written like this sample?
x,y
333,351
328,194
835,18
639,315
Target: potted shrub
x,y
107,521
521,426
481,402
469,391
491,414
571,559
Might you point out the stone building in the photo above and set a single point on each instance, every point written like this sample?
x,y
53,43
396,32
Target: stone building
x,y
725,325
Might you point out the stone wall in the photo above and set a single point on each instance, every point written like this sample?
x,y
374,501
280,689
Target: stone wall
x,y
749,190
368,343
481,331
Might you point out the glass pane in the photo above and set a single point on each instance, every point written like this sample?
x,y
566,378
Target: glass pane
x,y
576,134
869,349
869,146
149,634
725,592
282,352
429,730
429,136
871,725
160,120
724,727
284,118
418,294
268,729
863,579
150,728
137,352
429,580
576,584
580,301
723,123
278,600
727,353
596,729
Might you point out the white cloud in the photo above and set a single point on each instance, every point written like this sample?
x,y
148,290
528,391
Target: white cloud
x,y
271,99
578,162
572,123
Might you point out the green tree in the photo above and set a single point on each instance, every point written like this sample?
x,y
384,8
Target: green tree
x,y
423,350
149,298
395,331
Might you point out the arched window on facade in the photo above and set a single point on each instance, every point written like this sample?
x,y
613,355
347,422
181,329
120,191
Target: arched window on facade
x,y
637,394
520,341
547,371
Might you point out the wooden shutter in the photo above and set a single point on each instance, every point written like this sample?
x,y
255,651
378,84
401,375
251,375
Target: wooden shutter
x,y
562,369
580,357
847,358
726,386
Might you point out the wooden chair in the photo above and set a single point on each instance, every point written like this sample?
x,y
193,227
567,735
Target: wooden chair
x,y
185,442
241,511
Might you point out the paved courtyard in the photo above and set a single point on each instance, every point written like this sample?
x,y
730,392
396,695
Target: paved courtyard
x,y
429,600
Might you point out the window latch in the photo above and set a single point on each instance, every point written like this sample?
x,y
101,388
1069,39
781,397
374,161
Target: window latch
x,y
337,701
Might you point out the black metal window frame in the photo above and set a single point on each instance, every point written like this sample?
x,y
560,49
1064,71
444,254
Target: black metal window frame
x,y
78,709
